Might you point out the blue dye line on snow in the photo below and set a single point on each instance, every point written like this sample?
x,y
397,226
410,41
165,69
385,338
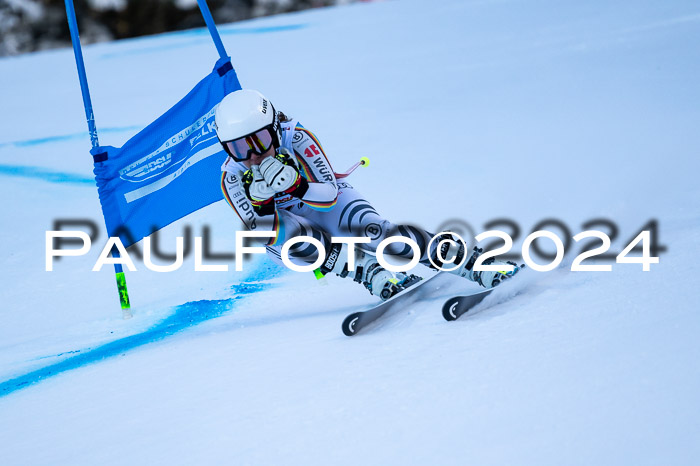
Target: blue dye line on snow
x,y
200,35
45,175
226,31
66,137
258,30
185,316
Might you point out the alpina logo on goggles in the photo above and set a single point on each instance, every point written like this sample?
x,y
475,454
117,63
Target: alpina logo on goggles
x,y
241,149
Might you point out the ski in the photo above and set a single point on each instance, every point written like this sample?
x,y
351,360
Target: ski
x,y
460,305
457,306
356,321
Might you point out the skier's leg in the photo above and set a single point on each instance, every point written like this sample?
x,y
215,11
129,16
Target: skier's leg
x,y
353,215
288,225
375,278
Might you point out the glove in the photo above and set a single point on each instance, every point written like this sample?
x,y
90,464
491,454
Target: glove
x,y
258,191
282,176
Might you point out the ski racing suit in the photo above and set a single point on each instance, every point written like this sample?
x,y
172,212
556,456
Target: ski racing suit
x,y
330,207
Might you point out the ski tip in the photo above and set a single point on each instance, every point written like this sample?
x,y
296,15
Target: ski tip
x,y
350,323
449,309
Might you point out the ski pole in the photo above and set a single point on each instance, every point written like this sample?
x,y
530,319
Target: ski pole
x,y
364,161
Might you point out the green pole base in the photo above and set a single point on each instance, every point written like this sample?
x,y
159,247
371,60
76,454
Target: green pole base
x,y
124,296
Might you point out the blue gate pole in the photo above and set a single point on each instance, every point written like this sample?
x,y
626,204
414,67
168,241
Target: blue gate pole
x,y
87,103
77,51
204,8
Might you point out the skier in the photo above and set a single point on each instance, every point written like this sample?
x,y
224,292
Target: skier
x,y
277,178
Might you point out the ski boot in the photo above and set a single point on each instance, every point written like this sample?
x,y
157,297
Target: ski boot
x,y
489,278
379,281
485,278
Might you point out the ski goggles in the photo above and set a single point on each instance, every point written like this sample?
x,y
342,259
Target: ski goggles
x,y
242,148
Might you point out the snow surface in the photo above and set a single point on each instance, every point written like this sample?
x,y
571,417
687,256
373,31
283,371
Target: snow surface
x,y
469,109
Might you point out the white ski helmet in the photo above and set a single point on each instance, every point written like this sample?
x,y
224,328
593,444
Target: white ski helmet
x,y
246,123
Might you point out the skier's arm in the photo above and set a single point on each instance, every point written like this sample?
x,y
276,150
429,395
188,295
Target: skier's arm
x,y
323,188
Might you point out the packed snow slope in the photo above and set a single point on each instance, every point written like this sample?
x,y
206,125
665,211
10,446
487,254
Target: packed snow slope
x,y
470,110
